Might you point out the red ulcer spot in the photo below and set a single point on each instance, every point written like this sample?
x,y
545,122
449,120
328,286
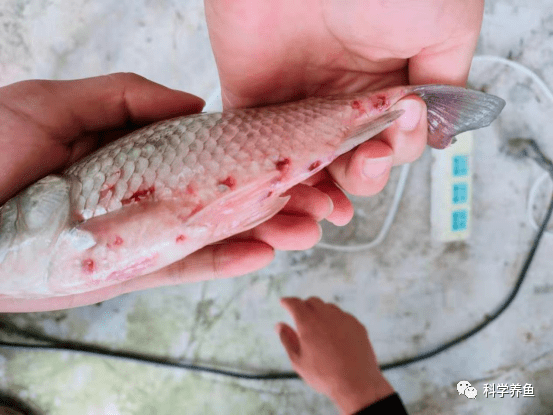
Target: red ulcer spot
x,y
116,242
181,238
229,181
190,190
197,209
283,165
380,102
139,195
88,265
356,105
314,165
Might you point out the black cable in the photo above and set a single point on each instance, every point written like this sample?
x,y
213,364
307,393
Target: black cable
x,y
57,344
14,404
489,318
146,358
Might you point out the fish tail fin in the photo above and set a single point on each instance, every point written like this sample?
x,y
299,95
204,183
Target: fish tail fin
x,y
453,110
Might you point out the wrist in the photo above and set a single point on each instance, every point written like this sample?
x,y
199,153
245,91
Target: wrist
x,y
353,400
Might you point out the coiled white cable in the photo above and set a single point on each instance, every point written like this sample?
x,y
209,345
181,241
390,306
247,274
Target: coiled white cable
x,y
549,94
519,67
387,222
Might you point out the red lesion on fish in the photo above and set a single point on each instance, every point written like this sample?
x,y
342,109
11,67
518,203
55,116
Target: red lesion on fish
x,y
283,165
314,165
118,241
379,102
88,266
104,192
356,105
197,209
183,217
190,190
230,182
180,238
139,195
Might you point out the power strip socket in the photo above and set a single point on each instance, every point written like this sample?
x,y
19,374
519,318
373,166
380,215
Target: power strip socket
x,y
451,190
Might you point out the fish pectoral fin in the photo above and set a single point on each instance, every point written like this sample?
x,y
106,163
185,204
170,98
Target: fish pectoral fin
x,y
259,213
363,132
242,209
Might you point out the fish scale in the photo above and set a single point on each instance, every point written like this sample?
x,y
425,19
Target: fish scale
x,y
168,189
236,126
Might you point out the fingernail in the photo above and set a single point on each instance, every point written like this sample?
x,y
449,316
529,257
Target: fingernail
x,y
412,115
374,168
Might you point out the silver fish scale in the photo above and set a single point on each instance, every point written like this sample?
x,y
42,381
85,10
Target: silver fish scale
x,y
201,150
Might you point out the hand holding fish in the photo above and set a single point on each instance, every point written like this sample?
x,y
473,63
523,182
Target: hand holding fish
x,y
45,126
219,190
269,52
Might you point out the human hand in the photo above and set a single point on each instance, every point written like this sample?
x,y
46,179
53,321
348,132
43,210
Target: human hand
x,y
269,52
45,126
330,350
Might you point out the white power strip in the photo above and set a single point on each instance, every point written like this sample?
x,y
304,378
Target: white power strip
x,y
451,190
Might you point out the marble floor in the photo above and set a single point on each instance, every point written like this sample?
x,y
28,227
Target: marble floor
x,y
412,293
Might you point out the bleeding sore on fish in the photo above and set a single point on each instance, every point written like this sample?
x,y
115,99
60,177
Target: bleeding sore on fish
x,y
164,191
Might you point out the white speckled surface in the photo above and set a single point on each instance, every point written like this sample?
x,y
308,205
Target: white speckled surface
x,y
411,293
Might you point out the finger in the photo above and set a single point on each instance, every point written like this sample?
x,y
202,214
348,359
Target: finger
x,y
342,208
297,308
320,176
449,62
334,308
364,171
68,109
308,201
211,262
290,340
287,232
223,260
82,147
315,303
408,135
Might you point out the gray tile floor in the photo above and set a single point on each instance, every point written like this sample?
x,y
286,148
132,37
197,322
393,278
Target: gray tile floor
x,y
410,292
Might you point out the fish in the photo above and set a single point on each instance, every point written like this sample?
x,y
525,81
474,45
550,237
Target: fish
x,y
170,188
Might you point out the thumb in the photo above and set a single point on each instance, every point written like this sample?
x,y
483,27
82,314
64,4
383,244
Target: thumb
x,y
289,340
408,134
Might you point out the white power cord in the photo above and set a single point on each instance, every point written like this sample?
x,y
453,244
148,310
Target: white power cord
x,y
519,67
547,91
387,222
